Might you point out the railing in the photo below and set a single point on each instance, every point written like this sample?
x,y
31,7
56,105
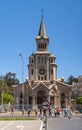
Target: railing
x,y
18,107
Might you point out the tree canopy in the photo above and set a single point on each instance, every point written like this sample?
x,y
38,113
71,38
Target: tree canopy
x,y
71,79
7,98
79,100
6,83
11,79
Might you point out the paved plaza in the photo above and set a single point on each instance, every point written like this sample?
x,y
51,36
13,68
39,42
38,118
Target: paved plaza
x,y
58,123
20,125
75,123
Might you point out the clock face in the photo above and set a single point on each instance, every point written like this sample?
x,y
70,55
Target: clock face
x,y
42,70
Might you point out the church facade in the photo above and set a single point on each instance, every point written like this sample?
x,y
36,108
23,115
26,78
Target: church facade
x,y
42,83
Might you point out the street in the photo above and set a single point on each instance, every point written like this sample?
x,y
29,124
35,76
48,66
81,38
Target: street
x,y
61,123
58,123
20,125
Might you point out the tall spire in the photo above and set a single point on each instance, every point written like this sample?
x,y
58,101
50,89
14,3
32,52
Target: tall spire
x,y
42,39
42,30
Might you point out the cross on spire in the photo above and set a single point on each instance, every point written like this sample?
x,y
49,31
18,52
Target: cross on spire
x,y
42,11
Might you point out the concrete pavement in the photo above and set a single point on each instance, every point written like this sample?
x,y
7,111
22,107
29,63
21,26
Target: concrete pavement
x,y
21,125
35,124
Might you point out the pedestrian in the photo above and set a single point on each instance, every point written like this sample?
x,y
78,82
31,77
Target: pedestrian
x,y
65,112
12,110
69,114
40,111
58,111
55,112
50,112
35,112
29,113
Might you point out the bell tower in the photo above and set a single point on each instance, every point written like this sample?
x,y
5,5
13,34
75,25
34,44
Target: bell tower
x,y
42,39
42,66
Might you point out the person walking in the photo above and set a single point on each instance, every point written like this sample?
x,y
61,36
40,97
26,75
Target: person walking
x,y
65,112
12,110
35,112
29,111
69,114
50,112
55,112
58,111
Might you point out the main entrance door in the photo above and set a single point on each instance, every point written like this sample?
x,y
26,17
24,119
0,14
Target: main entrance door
x,y
41,96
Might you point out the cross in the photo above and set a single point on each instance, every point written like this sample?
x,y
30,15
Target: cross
x,y
42,11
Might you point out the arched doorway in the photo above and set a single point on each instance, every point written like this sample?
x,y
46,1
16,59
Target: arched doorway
x,y
62,100
41,96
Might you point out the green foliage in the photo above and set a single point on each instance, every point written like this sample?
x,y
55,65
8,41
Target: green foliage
x,y
7,98
16,118
71,79
6,83
79,100
11,79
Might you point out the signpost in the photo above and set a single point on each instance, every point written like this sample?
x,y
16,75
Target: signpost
x,y
45,107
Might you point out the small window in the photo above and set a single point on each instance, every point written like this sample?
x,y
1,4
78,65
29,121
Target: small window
x,y
45,60
32,61
52,72
41,78
45,77
39,46
38,77
45,46
38,59
42,60
51,61
32,72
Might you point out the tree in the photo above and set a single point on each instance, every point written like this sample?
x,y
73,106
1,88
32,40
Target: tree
x,y
79,100
8,98
4,86
6,83
71,79
11,79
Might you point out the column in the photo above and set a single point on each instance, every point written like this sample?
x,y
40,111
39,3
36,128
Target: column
x,y
49,98
58,99
54,101
34,101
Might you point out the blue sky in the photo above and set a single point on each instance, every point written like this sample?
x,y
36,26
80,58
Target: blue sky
x,y
19,26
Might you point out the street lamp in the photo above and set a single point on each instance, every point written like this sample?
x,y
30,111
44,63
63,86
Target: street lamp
x,y
22,83
2,102
2,92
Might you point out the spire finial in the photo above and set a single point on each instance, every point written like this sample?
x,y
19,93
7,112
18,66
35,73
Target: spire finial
x,y
42,11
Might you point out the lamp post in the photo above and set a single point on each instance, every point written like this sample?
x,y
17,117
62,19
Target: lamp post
x,y
2,101
2,92
22,83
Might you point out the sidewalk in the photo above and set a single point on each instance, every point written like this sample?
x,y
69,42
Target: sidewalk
x,y
16,113
35,124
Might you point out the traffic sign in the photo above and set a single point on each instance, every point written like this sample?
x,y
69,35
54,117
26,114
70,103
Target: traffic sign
x,y
45,105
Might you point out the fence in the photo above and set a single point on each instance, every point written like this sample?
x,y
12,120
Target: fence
x,y
20,107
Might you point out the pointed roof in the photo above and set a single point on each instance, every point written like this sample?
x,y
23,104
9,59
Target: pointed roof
x,y
42,30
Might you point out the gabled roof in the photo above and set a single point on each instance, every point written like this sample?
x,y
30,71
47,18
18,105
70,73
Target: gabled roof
x,y
41,83
38,84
